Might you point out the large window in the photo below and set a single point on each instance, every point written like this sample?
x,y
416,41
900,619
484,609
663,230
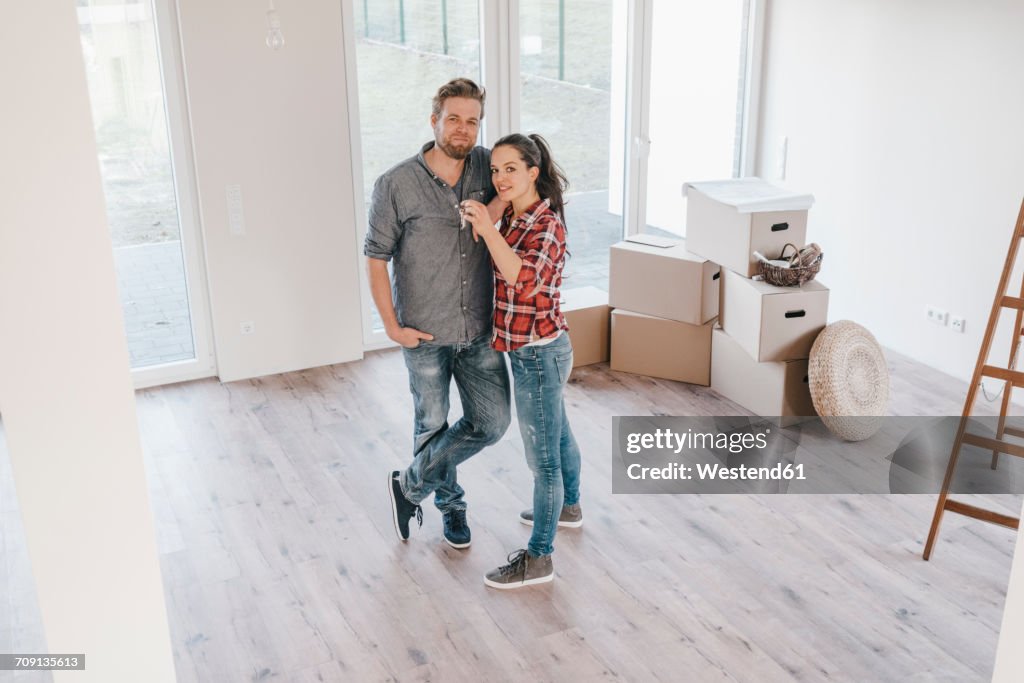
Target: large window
x,y
129,110
571,94
635,97
697,86
406,49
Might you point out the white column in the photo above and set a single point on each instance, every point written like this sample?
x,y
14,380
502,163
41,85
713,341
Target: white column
x,y
65,387
617,110
1009,657
499,60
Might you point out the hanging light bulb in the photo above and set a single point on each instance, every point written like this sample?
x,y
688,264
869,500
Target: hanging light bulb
x,y
275,38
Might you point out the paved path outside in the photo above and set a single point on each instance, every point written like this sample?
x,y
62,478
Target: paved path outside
x,y
151,282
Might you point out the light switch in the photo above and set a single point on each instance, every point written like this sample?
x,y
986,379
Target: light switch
x,y
236,218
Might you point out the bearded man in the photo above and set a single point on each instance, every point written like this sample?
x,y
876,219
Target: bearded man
x,y
438,305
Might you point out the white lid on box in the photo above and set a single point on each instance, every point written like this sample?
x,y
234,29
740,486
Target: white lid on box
x,y
750,195
653,240
677,250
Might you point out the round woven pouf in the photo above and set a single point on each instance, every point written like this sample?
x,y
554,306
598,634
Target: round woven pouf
x,y
849,380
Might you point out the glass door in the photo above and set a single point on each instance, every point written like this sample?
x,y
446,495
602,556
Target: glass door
x,y
696,102
572,90
600,79
152,226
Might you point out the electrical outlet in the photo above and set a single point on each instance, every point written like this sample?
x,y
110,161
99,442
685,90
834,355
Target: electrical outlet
x,y
957,323
248,327
936,315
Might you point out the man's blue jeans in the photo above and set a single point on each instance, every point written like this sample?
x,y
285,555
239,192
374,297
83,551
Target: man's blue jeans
x,y
541,373
438,449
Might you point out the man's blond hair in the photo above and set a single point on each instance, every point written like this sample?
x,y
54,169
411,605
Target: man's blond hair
x,y
459,87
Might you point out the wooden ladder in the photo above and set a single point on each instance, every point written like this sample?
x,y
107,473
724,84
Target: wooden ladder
x,y
1011,378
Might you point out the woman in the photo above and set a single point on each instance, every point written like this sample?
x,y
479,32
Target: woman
x,y
528,252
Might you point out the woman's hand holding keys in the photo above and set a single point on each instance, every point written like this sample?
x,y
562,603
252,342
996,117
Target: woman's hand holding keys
x,y
478,217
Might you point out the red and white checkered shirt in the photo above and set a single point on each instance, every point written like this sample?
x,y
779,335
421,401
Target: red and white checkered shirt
x,y
528,309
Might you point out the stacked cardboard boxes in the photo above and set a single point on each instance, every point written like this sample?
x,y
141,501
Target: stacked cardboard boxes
x,y
667,295
759,356
665,301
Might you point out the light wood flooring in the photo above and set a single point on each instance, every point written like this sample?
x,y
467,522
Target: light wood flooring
x,y
280,562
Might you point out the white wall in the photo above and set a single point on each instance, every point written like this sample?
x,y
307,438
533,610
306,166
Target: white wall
x,y
1009,665
65,388
274,122
904,120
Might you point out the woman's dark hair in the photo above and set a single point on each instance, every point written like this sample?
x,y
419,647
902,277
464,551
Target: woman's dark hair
x,y
534,151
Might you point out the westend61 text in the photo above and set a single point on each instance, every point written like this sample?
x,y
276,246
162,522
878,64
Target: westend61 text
x,y
708,472
677,441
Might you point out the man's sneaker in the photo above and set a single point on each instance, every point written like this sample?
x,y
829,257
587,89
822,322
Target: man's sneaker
x,y
522,569
456,531
401,509
572,516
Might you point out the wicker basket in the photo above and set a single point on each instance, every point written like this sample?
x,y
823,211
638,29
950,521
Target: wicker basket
x,y
804,264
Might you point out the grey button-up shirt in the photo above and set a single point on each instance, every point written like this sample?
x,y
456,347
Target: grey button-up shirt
x,y
442,282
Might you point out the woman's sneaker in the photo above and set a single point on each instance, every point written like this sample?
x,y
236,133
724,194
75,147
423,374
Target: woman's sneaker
x,y
522,569
572,517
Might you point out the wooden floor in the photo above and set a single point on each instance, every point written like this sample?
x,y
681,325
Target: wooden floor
x,y
280,561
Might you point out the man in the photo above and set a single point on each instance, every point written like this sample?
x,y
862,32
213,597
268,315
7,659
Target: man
x,y
439,307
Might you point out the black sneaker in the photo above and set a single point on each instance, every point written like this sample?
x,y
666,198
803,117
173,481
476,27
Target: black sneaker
x,y
401,509
456,531
522,569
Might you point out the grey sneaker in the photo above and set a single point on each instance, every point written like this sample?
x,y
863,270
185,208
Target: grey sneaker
x,y
572,517
522,569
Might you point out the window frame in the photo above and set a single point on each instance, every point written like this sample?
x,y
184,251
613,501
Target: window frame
x,y
180,141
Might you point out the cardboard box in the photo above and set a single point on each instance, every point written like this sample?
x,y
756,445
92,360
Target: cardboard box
x,y
660,277
773,389
728,220
587,311
657,347
773,323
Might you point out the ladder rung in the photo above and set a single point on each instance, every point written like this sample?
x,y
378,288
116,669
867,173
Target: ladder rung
x,y
1012,302
994,445
1013,431
1017,378
981,513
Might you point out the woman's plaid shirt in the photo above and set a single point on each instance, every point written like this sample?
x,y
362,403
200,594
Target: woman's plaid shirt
x,y
528,309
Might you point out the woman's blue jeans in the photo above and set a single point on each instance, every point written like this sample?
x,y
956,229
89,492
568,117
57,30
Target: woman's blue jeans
x,y
541,373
